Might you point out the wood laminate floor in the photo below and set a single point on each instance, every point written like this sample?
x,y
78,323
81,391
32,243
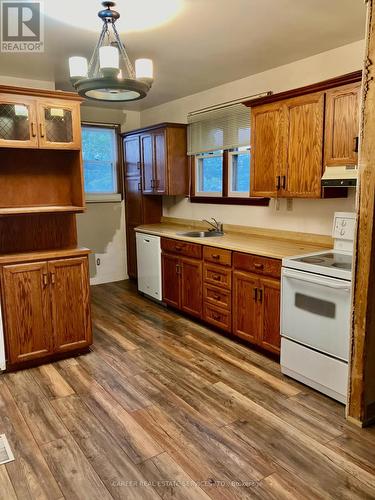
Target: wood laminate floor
x,y
165,408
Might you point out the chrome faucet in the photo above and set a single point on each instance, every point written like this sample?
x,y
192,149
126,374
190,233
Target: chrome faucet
x,y
216,226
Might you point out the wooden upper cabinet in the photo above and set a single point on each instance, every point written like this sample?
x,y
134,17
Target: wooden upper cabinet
x,y
164,162
342,125
35,122
18,122
303,146
27,312
59,124
70,303
132,156
266,149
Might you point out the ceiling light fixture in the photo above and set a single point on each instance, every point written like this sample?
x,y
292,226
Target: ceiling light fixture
x,y
110,75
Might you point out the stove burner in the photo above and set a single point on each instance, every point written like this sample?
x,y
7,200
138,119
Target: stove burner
x,y
342,265
312,260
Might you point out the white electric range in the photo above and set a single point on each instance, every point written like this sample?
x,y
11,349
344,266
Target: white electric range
x,y
315,313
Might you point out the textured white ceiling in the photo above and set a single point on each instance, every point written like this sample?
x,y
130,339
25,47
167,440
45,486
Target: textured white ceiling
x,y
195,44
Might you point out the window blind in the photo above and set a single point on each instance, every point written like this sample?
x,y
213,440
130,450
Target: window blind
x,y
223,128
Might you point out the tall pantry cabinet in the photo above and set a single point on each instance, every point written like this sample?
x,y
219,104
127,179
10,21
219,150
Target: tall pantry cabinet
x,y
43,274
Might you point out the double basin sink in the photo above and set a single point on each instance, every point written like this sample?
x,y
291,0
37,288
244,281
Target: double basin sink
x,y
202,234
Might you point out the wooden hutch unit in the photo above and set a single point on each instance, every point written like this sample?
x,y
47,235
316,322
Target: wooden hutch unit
x,y
43,274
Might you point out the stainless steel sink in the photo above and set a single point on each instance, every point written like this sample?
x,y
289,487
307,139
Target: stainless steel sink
x,y
201,234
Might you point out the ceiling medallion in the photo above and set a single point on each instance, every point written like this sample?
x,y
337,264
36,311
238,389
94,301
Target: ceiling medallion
x,y
110,75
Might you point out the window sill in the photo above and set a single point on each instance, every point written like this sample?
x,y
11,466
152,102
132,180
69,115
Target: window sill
x,y
103,198
227,200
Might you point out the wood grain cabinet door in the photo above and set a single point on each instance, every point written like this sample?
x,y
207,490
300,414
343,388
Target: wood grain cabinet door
x,y
132,156
303,146
266,149
147,158
18,121
160,161
342,125
27,312
59,124
191,286
245,310
131,250
269,299
171,274
133,192
70,299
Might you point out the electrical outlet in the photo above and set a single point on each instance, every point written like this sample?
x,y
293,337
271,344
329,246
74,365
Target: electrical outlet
x,y
289,204
98,262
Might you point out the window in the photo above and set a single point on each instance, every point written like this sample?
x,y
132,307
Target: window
x,y
209,174
100,162
239,172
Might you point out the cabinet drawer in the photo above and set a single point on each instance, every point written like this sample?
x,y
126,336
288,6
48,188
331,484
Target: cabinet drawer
x,y
217,275
255,264
218,317
217,296
217,255
182,248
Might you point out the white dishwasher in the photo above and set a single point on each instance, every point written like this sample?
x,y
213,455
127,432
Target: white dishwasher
x,y
149,265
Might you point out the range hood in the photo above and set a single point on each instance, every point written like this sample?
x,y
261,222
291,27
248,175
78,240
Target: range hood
x,y
340,176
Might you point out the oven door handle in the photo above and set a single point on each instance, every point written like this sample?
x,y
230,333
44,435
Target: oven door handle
x,y
312,279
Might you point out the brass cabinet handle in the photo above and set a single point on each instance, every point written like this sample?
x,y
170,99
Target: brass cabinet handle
x,y
53,278
216,277
255,294
178,248
278,182
258,266
283,177
41,129
216,317
45,279
33,131
139,186
260,295
216,296
215,256
355,144
178,268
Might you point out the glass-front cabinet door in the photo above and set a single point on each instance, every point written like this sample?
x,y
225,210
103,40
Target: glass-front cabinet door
x,y
59,124
18,123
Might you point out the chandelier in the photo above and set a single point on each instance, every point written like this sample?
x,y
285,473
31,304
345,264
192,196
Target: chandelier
x,y
110,75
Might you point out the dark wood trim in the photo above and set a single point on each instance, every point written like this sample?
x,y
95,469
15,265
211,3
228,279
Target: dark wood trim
x,y
226,200
48,359
154,127
55,94
338,81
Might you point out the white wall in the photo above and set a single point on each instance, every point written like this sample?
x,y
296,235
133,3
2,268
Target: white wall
x,y
24,82
308,215
102,227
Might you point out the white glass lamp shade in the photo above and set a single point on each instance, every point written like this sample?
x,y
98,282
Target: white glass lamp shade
x,y
78,67
109,58
144,69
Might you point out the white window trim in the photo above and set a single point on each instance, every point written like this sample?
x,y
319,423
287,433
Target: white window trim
x,y
235,194
212,194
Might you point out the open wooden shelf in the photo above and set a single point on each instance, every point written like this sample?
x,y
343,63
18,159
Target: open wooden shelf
x,y
40,210
35,181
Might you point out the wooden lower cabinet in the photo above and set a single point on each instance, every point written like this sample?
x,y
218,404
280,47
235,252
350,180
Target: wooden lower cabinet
x,y
46,309
27,311
70,304
256,310
182,283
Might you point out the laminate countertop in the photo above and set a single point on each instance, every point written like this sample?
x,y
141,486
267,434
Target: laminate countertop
x,y
275,244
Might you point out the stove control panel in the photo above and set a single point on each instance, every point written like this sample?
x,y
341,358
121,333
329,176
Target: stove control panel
x,y
344,230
